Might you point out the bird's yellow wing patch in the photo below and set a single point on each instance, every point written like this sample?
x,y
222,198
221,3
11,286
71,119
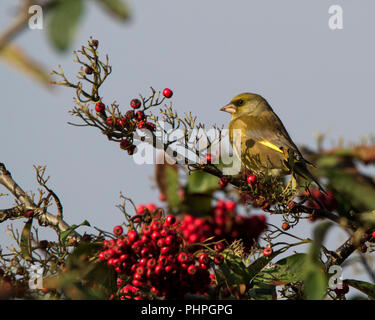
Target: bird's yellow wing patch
x,y
270,145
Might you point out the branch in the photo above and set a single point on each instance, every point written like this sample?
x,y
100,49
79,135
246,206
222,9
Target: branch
x,y
346,249
44,217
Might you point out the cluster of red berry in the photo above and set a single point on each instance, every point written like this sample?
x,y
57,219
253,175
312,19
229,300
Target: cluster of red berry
x,y
223,223
131,120
149,262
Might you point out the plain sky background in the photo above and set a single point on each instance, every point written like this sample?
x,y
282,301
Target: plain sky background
x,y
316,79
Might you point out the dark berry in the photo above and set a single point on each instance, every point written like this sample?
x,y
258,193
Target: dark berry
x,y
135,103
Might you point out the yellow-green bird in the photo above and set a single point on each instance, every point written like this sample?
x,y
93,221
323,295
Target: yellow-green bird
x,y
260,140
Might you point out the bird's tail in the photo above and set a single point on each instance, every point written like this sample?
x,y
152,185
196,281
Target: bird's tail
x,y
300,169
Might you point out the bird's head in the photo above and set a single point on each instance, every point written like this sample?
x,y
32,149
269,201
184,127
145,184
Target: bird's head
x,y
245,103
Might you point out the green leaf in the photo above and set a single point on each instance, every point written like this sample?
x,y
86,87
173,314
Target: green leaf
x,y
79,268
64,235
315,282
17,58
315,279
172,186
117,8
286,270
256,266
63,23
202,182
364,287
319,235
235,270
25,241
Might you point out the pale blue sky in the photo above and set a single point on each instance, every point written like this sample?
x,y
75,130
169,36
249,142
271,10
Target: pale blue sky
x,y
315,78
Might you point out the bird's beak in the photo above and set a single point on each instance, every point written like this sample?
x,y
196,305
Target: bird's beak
x,y
230,108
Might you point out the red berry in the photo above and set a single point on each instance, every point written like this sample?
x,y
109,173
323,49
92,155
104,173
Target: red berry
x,y
192,269
169,240
373,234
117,231
140,270
219,247
204,258
29,213
251,179
132,235
223,182
89,70
209,157
140,115
151,263
101,256
141,124
100,107
135,103
182,257
145,252
161,242
170,220
121,122
168,93
159,269
141,209
165,250
285,226
109,121
230,205
267,251
343,290
218,259
129,114
155,235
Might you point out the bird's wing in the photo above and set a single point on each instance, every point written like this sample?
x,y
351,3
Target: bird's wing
x,y
267,129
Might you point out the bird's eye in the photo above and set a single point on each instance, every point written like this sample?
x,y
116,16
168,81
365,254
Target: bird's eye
x,y
239,102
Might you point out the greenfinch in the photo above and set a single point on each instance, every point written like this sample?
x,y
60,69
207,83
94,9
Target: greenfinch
x,y
260,140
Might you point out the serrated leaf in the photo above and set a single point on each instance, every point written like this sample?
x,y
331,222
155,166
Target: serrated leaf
x,y
63,23
64,235
202,182
17,58
25,241
117,8
363,286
